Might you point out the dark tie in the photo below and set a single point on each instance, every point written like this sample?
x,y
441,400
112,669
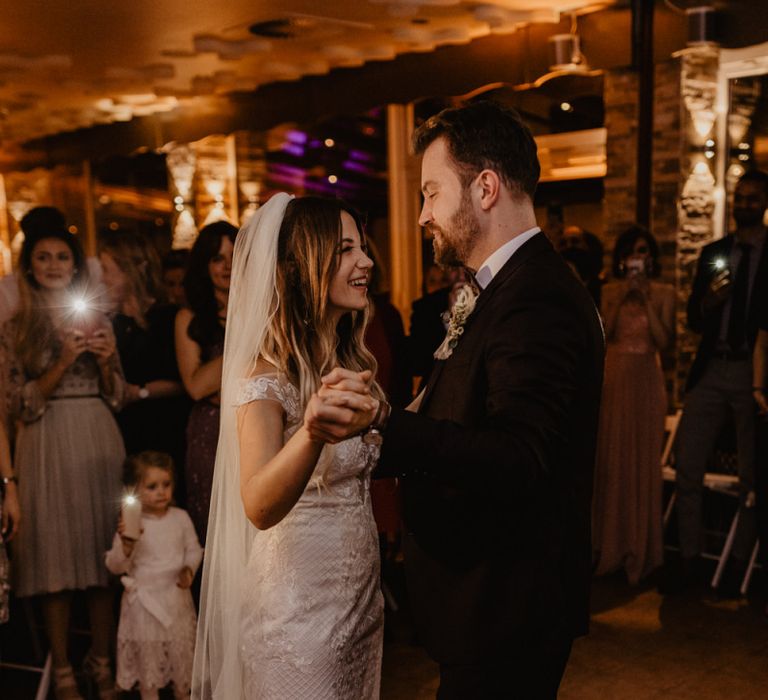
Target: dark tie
x,y
737,322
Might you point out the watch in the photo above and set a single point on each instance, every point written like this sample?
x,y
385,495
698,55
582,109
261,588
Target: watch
x,y
373,436
143,392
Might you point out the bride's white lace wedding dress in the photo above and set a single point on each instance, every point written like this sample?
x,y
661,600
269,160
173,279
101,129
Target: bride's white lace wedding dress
x,y
312,617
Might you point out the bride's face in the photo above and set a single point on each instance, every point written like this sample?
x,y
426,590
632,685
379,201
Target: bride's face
x,y
349,286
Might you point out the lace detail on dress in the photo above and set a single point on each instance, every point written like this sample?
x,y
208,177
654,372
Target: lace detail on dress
x,y
313,611
274,388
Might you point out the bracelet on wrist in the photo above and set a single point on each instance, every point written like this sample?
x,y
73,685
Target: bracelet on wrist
x,y
9,480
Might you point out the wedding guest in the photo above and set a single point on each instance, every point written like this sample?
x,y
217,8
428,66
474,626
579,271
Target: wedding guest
x,y
62,382
385,337
590,265
730,293
156,409
174,268
156,634
435,278
199,348
34,224
638,316
10,515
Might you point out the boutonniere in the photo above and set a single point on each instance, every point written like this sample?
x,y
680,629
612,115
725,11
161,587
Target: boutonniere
x,y
466,298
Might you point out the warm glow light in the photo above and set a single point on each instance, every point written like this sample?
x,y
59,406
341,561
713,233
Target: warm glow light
x,y
330,143
129,499
79,305
566,107
333,179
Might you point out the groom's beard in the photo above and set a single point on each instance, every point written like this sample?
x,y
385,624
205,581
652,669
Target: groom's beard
x,y
455,242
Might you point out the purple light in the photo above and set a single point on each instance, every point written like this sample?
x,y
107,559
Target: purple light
x,y
356,167
296,136
293,149
362,156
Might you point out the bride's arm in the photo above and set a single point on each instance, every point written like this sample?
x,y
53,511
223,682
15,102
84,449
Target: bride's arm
x,y
273,475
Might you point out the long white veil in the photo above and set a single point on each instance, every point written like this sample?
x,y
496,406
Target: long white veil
x,y
217,672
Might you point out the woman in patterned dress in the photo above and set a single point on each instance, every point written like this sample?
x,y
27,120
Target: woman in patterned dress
x,y
62,384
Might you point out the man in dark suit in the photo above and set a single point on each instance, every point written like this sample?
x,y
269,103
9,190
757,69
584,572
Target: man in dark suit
x,y
497,454
730,292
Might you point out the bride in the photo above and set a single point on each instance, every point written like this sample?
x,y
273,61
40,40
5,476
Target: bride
x,y
290,605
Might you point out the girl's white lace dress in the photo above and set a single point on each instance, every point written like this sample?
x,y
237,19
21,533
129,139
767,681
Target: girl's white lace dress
x,y
156,635
313,611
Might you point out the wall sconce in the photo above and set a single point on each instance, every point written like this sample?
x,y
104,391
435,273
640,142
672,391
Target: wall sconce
x,y
181,162
250,190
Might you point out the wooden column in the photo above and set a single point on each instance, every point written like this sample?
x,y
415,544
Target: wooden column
x,y
404,205
89,244
5,232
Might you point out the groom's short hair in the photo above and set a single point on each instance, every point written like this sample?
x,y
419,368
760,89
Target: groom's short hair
x,y
485,135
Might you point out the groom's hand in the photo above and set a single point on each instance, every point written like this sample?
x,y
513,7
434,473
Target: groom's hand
x,y
342,408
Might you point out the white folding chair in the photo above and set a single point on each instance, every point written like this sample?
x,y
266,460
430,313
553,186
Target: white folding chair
x,y
727,484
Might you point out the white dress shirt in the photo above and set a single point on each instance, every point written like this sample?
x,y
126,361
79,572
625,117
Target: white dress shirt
x,y
496,260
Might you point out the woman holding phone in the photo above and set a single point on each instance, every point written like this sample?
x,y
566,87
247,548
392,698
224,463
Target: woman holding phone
x,y
638,315
62,383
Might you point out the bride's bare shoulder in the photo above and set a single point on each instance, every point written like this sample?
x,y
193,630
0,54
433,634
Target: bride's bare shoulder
x,y
263,366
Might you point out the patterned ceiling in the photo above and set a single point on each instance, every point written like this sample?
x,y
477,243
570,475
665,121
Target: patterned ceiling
x,y
70,65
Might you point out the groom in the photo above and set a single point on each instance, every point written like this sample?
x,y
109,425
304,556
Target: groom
x,y
496,462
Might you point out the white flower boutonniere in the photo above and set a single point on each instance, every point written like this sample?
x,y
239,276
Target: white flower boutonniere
x,y
466,298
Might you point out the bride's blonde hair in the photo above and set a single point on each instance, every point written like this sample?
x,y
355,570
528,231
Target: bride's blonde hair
x,y
302,340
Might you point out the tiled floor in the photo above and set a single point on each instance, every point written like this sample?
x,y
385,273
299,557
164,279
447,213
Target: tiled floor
x,y
642,646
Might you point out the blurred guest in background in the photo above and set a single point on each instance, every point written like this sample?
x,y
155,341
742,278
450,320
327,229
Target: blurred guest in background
x,y
589,259
10,516
156,408
199,349
62,381
729,295
435,279
34,224
638,315
385,338
174,268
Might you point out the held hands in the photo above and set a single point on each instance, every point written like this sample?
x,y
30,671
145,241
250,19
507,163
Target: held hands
x,y
342,407
185,578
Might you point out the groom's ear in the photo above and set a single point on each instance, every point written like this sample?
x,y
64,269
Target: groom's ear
x,y
489,184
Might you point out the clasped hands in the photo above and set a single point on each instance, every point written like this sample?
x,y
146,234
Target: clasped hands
x,y
342,407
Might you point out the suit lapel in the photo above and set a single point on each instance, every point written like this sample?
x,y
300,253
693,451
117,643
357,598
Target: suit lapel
x,y
536,245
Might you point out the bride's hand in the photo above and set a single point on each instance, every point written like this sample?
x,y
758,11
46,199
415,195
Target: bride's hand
x,y
343,407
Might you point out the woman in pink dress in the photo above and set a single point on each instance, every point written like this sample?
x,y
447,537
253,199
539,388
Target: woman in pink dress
x,y
638,314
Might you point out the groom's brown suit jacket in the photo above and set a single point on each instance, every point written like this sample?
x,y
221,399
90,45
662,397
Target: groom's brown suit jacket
x,y
497,466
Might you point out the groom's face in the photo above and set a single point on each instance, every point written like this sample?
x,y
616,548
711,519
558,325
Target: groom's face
x,y
447,212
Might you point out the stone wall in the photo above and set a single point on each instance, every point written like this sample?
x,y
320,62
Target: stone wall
x,y
620,200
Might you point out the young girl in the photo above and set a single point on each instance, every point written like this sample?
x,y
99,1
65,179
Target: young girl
x,y
156,636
